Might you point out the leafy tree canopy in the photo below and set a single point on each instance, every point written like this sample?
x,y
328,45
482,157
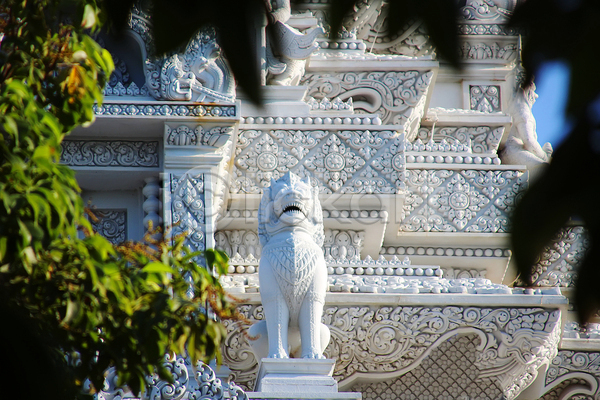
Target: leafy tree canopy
x,y
63,289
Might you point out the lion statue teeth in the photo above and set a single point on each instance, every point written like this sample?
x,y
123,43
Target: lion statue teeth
x,y
292,272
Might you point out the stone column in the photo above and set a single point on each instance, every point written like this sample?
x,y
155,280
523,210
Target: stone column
x,y
196,177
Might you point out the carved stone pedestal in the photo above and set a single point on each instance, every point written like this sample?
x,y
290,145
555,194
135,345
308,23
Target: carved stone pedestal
x,y
297,379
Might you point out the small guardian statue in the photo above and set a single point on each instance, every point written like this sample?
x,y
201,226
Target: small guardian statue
x,y
292,272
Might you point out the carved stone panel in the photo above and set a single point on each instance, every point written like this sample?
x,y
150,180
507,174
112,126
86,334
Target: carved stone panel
x,y
109,153
481,139
360,161
112,224
461,201
386,342
557,265
485,98
187,209
398,97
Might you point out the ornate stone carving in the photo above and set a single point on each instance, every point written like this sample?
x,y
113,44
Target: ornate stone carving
x,y
120,90
489,11
398,97
557,265
287,67
293,275
390,341
152,109
189,382
485,98
185,136
449,372
327,105
480,139
107,153
345,161
574,375
478,51
199,74
112,224
342,245
369,23
187,209
575,331
460,201
239,242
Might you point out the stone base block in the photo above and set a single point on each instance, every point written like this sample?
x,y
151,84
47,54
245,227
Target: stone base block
x,y
296,375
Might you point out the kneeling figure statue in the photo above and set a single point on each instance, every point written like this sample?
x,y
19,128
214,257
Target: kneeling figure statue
x,y
292,272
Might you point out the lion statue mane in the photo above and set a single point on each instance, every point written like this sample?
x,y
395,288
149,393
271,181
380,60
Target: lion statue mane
x,y
292,272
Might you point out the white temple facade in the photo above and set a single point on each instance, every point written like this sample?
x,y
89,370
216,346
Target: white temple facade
x,y
418,166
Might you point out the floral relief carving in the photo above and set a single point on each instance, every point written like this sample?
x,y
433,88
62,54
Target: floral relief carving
x,y
557,265
574,373
345,161
187,209
186,136
396,96
485,98
112,224
482,139
460,201
513,342
106,153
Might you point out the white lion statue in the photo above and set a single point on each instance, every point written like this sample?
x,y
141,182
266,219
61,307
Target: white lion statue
x,y
292,272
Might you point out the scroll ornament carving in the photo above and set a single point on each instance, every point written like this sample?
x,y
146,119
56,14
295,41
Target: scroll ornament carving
x,y
557,265
485,98
390,341
189,382
396,96
186,136
569,364
482,139
343,161
103,153
187,209
489,11
465,201
369,23
488,51
112,224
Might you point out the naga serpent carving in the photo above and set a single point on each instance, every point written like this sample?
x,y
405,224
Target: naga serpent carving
x,y
292,272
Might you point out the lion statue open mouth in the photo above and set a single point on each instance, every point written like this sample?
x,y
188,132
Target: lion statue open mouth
x,y
292,271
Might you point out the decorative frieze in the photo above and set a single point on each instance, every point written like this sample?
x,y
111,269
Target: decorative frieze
x,y
120,90
460,201
184,135
109,153
480,139
573,330
343,161
239,244
489,11
398,97
173,109
557,265
485,98
187,209
112,224
480,51
387,341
